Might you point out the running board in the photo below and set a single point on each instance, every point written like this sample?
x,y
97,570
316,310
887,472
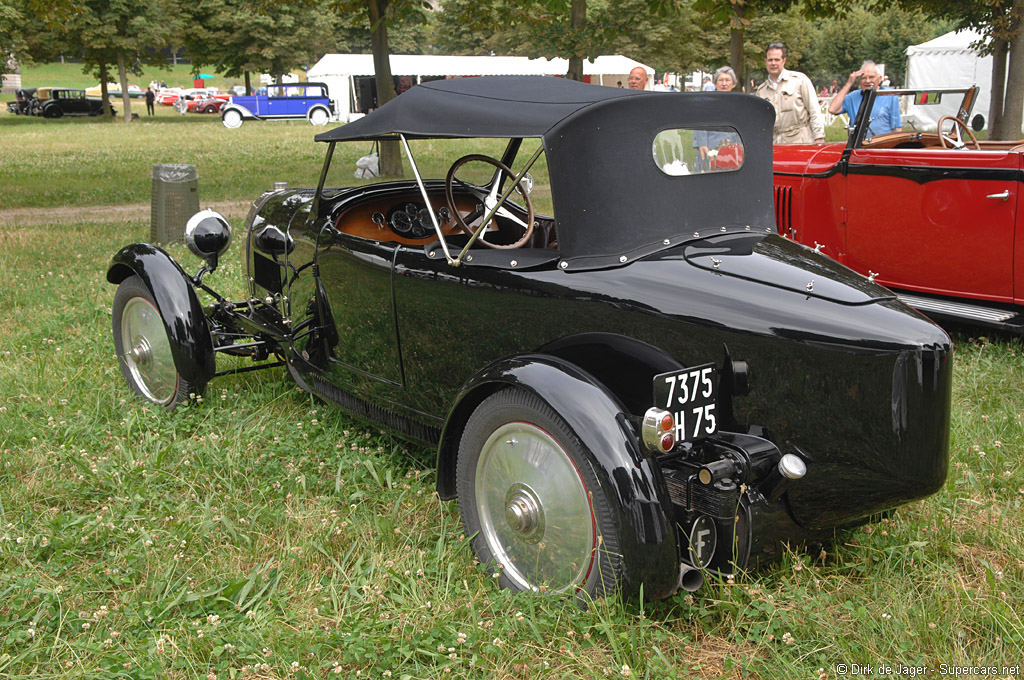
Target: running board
x,y
959,310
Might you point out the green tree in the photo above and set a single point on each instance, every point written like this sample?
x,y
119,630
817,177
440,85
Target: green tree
x,y
656,32
380,15
740,16
12,39
1002,22
105,34
841,44
241,37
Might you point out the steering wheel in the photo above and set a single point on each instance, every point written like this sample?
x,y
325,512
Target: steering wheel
x,y
943,138
490,199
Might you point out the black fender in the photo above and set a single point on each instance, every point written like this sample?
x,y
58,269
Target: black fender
x,y
631,481
178,304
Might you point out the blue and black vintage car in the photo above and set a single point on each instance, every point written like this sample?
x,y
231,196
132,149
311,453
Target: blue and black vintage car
x,y
628,376
281,101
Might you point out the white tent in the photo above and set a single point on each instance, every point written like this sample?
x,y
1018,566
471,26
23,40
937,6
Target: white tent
x,y
947,61
341,71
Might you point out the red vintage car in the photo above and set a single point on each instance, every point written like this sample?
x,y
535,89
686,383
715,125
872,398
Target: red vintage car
x,y
200,103
932,214
168,97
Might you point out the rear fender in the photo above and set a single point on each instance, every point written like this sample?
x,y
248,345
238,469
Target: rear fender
x,y
630,480
178,304
318,107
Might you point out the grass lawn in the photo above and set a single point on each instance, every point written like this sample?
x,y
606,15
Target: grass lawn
x,y
71,75
262,534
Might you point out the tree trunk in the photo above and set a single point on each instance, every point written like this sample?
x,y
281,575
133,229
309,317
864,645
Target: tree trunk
x,y
578,20
104,93
995,105
1013,103
122,77
736,45
390,154
248,84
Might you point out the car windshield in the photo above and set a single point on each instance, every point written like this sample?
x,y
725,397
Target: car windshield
x,y
358,164
913,112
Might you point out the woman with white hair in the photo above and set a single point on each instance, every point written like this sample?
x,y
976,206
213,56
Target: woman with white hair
x,y
710,143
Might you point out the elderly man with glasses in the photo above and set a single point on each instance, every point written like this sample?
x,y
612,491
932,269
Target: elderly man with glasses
x,y
885,114
798,118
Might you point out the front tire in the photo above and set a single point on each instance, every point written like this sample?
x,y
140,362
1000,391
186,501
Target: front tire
x,y
531,501
319,117
143,347
231,119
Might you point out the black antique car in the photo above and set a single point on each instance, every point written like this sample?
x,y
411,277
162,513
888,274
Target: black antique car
x,y
55,102
629,378
24,100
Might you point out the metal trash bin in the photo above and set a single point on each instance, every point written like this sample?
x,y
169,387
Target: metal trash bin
x,y
175,199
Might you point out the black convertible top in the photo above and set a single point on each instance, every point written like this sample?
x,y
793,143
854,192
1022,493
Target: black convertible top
x,y
612,202
498,106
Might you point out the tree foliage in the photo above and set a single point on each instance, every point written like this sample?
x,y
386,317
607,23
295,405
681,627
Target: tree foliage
x,y
12,40
107,35
1002,22
380,16
840,44
239,37
656,32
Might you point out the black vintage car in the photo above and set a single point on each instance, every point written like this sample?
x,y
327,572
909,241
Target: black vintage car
x,y
55,102
629,378
24,99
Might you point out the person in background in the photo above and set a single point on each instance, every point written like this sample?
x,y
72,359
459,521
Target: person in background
x,y
150,100
708,85
637,79
709,142
798,117
885,114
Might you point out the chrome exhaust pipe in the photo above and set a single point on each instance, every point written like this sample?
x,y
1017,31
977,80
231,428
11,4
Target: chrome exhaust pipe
x,y
690,578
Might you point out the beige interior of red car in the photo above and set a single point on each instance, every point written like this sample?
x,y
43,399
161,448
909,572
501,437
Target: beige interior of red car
x,y
913,139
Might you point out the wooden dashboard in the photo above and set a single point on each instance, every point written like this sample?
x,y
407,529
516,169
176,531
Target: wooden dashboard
x,y
376,220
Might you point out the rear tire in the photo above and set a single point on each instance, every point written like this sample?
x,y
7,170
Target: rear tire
x,y
531,501
143,347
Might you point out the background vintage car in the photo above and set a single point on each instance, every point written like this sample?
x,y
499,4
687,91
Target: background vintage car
x,y
282,101
933,215
168,96
628,381
54,102
114,90
24,101
200,103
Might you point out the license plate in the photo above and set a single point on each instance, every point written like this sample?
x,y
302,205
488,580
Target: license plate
x,y
691,396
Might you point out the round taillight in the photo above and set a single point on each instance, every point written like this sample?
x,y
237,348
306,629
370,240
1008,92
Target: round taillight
x,y
667,442
668,423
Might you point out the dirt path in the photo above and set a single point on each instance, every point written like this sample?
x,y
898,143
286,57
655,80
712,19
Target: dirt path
x,y
18,217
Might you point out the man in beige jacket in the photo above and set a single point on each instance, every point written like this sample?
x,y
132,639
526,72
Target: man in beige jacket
x,y
798,117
